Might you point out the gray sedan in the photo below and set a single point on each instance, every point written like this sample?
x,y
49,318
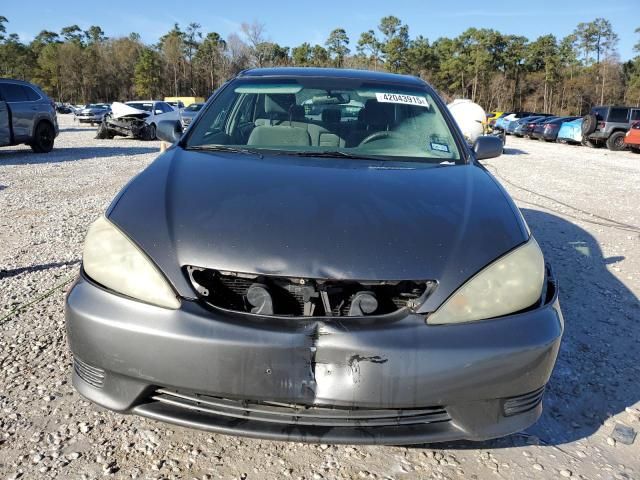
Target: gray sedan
x,y
190,112
357,279
93,113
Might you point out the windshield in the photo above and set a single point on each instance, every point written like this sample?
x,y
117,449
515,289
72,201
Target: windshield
x,y
146,106
194,107
315,116
97,106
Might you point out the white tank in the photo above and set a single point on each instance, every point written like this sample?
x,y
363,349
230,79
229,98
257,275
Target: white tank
x,y
469,116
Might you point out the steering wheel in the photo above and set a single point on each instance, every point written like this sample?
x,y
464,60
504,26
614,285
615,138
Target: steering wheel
x,y
378,136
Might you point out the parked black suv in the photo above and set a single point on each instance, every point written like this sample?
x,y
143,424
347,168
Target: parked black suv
x,y
608,125
27,115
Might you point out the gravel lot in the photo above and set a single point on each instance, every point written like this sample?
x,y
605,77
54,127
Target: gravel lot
x,y
582,205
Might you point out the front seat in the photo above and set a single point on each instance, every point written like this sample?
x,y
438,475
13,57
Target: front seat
x,y
277,108
332,137
278,129
376,117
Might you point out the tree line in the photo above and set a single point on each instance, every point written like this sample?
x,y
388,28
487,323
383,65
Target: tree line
x,y
501,72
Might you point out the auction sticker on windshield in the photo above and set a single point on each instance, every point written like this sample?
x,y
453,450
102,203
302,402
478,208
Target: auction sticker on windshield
x,y
402,98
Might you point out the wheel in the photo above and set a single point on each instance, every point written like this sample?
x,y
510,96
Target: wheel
x,y
43,138
103,132
151,132
589,124
615,142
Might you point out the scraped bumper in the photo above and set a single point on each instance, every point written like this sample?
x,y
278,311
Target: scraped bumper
x,y
396,381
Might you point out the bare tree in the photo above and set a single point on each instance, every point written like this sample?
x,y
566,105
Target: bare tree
x,y
255,34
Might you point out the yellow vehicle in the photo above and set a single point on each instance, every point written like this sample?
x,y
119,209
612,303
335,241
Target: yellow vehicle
x,y
492,117
490,121
182,102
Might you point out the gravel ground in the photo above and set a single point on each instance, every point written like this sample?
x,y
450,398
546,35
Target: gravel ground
x,y
582,205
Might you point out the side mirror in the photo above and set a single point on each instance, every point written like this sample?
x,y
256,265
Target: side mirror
x,y
158,111
169,130
488,146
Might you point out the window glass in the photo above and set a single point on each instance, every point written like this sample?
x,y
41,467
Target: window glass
x,y
12,92
600,113
194,107
314,115
146,106
619,115
32,95
635,114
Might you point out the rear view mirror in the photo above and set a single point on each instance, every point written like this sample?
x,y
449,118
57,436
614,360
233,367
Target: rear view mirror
x,y
488,146
169,130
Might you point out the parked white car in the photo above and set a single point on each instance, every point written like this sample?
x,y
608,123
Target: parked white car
x,y
155,108
136,118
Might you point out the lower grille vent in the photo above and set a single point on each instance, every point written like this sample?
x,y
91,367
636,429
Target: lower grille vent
x,y
92,375
523,403
291,414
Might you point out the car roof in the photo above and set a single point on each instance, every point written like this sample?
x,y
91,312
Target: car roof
x,y
15,80
333,73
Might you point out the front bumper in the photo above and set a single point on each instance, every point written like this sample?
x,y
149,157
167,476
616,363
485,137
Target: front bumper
x,y
393,381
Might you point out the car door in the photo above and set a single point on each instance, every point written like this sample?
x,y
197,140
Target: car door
x,y
22,110
5,126
166,108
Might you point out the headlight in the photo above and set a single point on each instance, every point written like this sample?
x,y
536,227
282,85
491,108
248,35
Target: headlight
x,y
114,261
511,283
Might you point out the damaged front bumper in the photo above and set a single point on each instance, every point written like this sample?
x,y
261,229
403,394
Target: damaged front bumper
x,y
335,380
125,127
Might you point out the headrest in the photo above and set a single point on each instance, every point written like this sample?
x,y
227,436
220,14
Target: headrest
x,y
296,112
376,113
279,103
269,136
331,115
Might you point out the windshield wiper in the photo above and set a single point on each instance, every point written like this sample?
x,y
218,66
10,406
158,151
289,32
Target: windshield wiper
x,y
225,148
330,154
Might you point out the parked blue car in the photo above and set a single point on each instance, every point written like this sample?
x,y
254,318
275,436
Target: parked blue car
x,y
502,122
571,132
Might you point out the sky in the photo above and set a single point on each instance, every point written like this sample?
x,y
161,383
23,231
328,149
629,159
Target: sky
x,y
292,23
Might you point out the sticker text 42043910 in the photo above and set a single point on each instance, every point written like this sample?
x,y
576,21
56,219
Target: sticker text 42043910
x,y
402,98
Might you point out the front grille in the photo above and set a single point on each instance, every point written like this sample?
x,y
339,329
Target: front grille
x,y
293,414
523,403
92,375
307,297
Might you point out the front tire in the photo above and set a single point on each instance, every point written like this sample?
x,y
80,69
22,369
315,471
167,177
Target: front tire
x,y
615,142
43,138
151,132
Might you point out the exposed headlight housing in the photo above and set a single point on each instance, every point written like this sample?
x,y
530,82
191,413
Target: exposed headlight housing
x,y
114,261
510,284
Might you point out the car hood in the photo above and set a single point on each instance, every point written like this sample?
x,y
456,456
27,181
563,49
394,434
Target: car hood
x,y
318,218
119,110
